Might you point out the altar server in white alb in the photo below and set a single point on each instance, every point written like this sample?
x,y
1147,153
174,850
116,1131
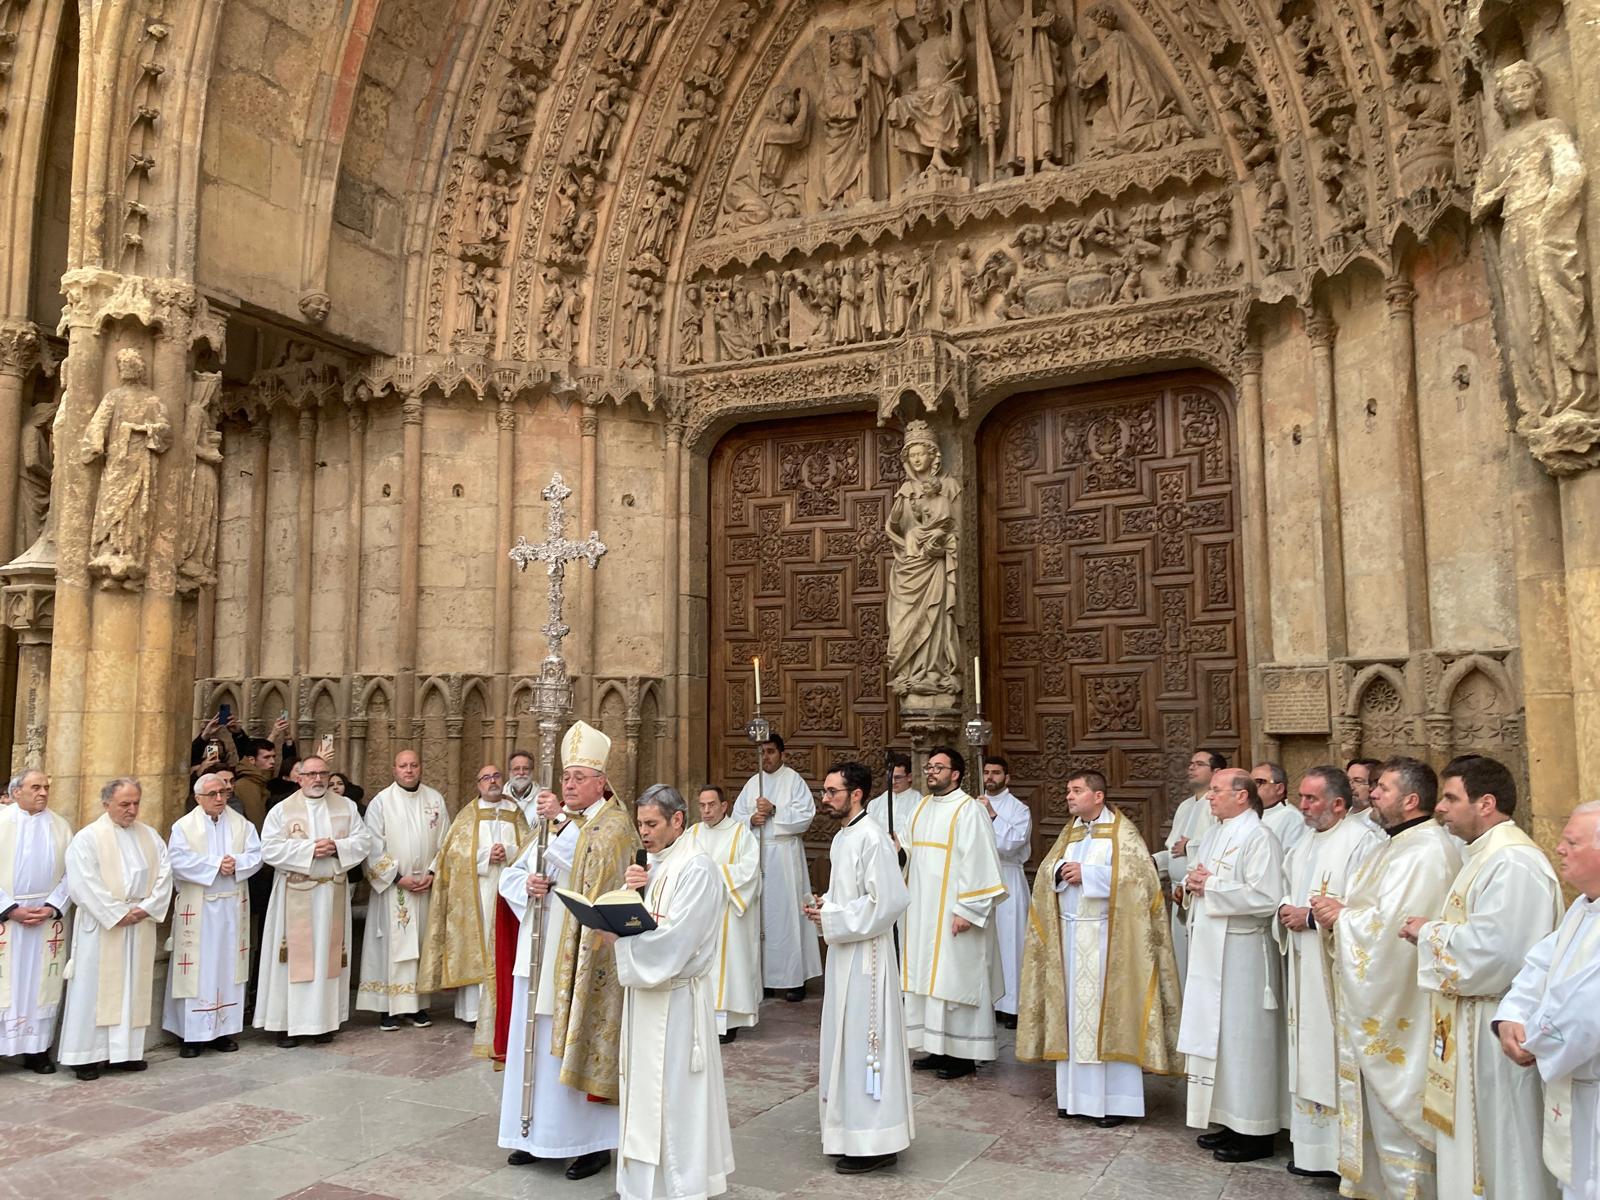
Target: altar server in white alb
x,y
407,823
906,796
1190,822
864,1075
1230,1029
732,846
1549,1022
676,1143
1485,1110
312,841
778,807
33,920
1013,840
119,877
1279,812
214,850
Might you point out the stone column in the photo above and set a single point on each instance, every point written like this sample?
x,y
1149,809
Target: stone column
x,y
256,576
305,539
29,602
355,518
453,729
589,636
1322,331
1401,298
1257,556
674,678
1580,534
505,515
22,352
405,675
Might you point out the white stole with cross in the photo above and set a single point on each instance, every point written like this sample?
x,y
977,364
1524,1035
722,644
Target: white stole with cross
x,y
189,917
52,977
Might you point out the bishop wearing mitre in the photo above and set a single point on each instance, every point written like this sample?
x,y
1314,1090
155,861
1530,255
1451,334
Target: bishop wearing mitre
x,y
1321,864
950,967
33,921
1385,1147
459,945
312,841
407,822
1486,1111
577,1005
1549,1021
732,846
1100,994
119,877
214,850
778,807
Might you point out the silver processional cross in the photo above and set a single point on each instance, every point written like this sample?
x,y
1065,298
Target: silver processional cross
x,y
552,694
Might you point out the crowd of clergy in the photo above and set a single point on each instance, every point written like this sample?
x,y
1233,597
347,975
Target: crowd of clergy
x,y
1379,963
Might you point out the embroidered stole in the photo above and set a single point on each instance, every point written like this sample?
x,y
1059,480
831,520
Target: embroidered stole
x,y
187,921
299,936
54,947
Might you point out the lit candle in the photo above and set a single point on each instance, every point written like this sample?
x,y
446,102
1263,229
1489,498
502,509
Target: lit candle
x,y
977,685
757,662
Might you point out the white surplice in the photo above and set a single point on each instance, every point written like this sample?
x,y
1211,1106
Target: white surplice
x,y
498,829
1285,823
951,980
1504,901
566,1123
321,1003
83,1038
864,1074
676,1143
905,806
1555,997
1013,830
1085,1085
1320,865
407,829
216,1007
1191,821
1230,1031
737,973
33,871
789,955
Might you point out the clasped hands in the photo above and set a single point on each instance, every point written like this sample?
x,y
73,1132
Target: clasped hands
x,y
416,883
1070,873
1195,881
132,917
30,915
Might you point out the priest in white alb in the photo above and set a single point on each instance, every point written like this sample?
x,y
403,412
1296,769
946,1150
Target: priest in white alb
x,y
950,962
778,807
1231,1032
1013,842
214,850
1385,1147
1486,1112
33,920
1321,864
1100,992
676,1142
1190,822
1279,813
904,793
1549,1020
732,846
119,877
864,1069
406,822
312,841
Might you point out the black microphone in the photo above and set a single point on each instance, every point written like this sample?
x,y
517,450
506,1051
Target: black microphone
x,y
641,858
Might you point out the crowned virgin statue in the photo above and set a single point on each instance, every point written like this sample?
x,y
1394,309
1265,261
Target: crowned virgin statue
x,y
922,586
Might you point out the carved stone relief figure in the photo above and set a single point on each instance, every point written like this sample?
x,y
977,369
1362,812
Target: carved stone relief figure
x,y
494,203
696,110
923,528
607,107
1037,132
1273,234
636,36
129,430
1534,181
770,189
1342,173
853,102
558,314
931,117
1245,114
38,464
1203,20
479,290
197,552
1137,109
643,303
691,329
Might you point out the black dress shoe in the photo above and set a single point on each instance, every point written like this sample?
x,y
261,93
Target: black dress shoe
x,y
725,1038
928,1062
521,1158
421,1019
225,1045
957,1068
87,1072
1305,1174
586,1165
321,1039
190,1050
137,1064
1216,1139
860,1164
286,1042
795,995
1008,1020
1062,1113
1110,1122
1245,1148
39,1064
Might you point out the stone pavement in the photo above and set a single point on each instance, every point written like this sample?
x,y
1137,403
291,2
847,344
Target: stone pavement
x,y
409,1115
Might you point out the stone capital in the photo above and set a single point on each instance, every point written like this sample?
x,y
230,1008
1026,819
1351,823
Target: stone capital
x,y
173,308
411,411
23,350
1322,330
1400,295
505,415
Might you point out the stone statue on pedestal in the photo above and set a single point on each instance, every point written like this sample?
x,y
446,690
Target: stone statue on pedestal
x,y
922,526
129,430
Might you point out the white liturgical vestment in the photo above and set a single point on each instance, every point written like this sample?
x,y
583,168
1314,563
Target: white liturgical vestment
x,y
675,1137
209,960
790,954
1285,823
1555,997
905,807
737,973
1189,824
33,958
407,829
1013,840
864,1075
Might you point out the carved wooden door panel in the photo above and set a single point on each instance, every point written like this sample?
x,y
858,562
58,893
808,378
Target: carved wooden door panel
x,y
1111,598
799,576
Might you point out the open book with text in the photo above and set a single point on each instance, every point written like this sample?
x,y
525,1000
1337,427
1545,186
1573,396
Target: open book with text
x,y
621,912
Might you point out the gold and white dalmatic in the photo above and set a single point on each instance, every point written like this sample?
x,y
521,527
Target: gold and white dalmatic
x,y
951,981
675,1137
790,956
1013,840
1230,1033
303,987
407,831
33,959
1322,864
111,978
1555,997
209,960
1192,820
737,973
1385,1147
864,1075
1486,1109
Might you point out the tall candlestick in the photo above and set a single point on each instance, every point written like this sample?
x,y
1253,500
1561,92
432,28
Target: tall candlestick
x,y
977,685
757,662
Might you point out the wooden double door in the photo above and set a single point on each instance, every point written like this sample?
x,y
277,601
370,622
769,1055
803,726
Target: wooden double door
x,y
1110,592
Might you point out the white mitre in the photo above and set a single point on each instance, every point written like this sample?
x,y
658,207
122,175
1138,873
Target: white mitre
x,y
585,746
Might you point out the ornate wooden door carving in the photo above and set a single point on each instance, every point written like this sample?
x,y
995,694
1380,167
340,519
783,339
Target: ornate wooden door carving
x,y
1112,624
799,572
